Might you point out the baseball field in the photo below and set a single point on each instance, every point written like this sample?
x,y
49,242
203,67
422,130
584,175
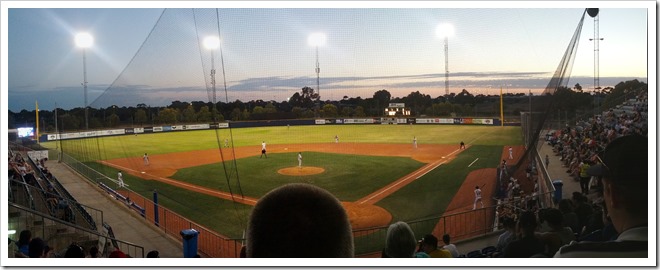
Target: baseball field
x,y
375,170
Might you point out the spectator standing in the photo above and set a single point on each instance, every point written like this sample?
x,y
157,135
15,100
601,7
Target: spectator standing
x,y
36,248
584,177
623,169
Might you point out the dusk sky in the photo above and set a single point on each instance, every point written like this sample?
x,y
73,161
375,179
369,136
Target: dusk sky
x,y
266,54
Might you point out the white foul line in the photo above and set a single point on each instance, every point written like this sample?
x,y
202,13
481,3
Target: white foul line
x,y
473,162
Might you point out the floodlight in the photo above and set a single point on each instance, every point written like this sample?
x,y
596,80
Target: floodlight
x,y
316,39
211,42
84,40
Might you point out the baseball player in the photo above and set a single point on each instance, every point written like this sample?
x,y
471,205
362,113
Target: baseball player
x,y
336,139
462,145
299,160
226,143
477,198
414,141
145,158
263,149
510,152
120,179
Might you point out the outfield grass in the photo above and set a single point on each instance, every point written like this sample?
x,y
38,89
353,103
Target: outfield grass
x,y
349,177
172,142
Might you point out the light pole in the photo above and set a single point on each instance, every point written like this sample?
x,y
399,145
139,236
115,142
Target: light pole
x,y
212,43
445,31
316,40
84,41
593,12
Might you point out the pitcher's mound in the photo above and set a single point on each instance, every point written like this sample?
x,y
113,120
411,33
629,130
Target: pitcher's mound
x,y
296,171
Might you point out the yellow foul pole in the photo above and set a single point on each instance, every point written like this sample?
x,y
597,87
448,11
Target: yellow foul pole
x,y
501,108
36,104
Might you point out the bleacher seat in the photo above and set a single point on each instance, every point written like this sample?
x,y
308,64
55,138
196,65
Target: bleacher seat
x,y
474,254
488,250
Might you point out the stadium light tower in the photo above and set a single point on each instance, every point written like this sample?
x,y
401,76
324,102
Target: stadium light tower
x,y
84,41
593,12
445,30
212,43
316,40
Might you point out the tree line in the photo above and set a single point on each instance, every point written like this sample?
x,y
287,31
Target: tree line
x,y
307,104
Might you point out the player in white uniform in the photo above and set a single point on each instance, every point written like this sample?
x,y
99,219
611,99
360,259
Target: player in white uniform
x,y
299,160
336,139
415,142
263,149
120,179
510,152
477,197
145,158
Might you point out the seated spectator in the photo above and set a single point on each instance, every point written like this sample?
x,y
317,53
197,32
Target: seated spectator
x,y
527,244
623,169
400,241
509,234
74,251
36,248
555,234
430,247
117,254
569,217
154,254
94,252
23,244
299,221
449,246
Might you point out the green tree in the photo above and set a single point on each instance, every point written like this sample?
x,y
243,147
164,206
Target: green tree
x,y
270,108
346,111
189,115
167,116
329,110
381,99
140,116
204,115
359,112
297,111
258,110
112,120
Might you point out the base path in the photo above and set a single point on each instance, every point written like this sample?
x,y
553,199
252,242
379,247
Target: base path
x,y
362,213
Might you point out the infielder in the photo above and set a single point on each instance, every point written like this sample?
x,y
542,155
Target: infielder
x,y
477,198
415,142
226,143
299,160
120,179
462,145
336,139
263,149
510,152
145,158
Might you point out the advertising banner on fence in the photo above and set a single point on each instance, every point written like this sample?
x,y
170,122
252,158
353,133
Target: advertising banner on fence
x,y
158,129
435,121
219,125
481,121
128,131
359,121
138,130
319,121
199,126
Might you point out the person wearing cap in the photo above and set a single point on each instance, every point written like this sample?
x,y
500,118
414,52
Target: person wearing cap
x,y
430,247
623,169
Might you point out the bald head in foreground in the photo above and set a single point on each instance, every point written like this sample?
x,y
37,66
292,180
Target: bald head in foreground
x,y
299,221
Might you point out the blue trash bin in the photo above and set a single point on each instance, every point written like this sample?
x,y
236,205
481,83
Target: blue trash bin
x,y
558,184
189,243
